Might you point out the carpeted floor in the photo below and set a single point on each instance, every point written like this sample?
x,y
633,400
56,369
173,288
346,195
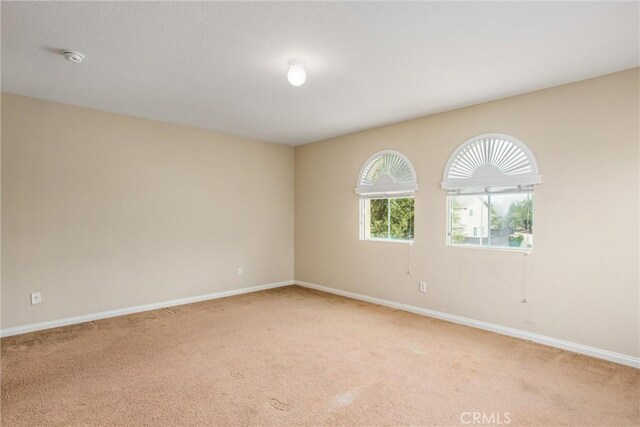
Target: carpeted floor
x,y
297,356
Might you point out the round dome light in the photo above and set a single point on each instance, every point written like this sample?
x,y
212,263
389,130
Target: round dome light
x,y
297,74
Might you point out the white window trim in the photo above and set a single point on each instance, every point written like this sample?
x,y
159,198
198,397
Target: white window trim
x,y
525,251
363,217
491,184
448,234
394,191
406,242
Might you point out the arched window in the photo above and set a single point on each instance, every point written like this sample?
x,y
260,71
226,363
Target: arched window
x,y
386,186
490,180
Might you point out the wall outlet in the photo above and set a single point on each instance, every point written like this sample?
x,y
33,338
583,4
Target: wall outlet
x,y
240,272
36,298
423,287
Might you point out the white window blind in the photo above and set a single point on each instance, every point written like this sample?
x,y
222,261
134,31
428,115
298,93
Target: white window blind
x,y
491,162
387,174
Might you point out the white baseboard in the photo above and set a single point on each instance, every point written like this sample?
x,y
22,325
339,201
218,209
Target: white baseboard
x,y
623,359
137,309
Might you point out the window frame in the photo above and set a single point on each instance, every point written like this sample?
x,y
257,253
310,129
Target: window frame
x,y
403,186
364,217
490,164
449,233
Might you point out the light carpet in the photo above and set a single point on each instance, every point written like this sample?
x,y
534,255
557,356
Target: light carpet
x,y
293,356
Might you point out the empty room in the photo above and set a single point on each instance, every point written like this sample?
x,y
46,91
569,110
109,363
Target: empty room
x,y
320,213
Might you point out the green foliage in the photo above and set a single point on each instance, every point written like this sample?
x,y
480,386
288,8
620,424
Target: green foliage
x,y
458,236
378,217
457,229
520,216
401,216
496,220
516,240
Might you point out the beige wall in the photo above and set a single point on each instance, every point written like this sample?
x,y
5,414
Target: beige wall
x,y
102,211
582,278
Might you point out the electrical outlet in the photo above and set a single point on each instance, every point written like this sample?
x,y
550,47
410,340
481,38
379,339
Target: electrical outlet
x,y
36,298
240,272
423,287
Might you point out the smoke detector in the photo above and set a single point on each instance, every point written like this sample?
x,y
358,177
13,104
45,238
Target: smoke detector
x,y
72,56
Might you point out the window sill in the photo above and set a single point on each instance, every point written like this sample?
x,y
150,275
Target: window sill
x,y
406,242
525,251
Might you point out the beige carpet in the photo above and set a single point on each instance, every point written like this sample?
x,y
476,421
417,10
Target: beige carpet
x,y
297,356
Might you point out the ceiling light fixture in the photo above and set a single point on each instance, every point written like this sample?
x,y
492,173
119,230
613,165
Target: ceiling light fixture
x,y
72,56
297,74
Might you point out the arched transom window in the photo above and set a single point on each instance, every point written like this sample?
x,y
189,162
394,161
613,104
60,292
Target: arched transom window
x,y
491,160
386,186
387,172
490,180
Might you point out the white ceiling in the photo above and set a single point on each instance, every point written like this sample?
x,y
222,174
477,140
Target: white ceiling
x,y
222,66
